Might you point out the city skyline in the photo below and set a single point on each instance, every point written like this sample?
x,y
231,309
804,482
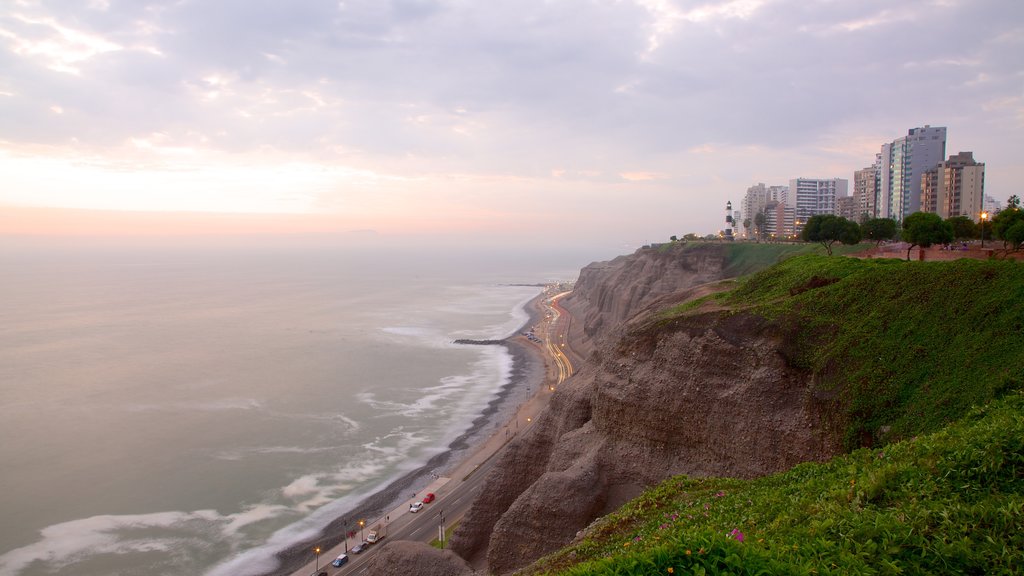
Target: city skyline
x,y
638,119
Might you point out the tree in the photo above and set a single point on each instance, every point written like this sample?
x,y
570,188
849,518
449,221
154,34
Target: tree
x,y
879,230
1005,221
673,238
1015,235
827,229
746,227
759,221
1013,202
963,227
924,229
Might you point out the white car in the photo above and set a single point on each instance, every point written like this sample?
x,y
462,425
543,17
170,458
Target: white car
x,y
415,507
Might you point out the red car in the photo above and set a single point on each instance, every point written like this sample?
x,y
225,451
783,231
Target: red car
x,y
428,498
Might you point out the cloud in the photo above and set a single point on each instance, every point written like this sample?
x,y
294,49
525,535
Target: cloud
x,y
525,91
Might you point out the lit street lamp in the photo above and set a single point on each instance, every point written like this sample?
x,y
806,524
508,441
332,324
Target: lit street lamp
x,y
984,216
361,524
316,551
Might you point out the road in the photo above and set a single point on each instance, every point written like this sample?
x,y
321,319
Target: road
x,y
557,329
455,494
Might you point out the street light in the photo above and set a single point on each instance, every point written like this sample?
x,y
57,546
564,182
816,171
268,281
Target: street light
x,y
316,551
984,216
361,524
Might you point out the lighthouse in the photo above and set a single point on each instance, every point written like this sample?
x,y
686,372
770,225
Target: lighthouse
x,y
727,233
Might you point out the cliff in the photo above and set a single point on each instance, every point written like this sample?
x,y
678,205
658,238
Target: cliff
x,y
687,373
708,394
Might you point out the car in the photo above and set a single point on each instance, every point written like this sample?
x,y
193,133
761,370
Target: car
x,y
415,507
339,561
428,498
359,547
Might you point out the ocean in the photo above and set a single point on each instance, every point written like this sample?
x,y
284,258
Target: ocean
x,y
187,410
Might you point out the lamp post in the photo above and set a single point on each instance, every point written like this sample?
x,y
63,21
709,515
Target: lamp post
x,y
361,524
316,551
984,216
440,528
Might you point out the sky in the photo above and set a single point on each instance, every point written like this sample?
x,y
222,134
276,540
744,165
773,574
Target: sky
x,y
596,121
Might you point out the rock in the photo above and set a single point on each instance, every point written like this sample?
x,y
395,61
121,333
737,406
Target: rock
x,y
401,558
710,394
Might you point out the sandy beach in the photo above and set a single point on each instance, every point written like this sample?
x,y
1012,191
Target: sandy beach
x,y
514,407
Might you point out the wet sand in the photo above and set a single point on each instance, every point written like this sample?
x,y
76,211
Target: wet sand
x,y
479,440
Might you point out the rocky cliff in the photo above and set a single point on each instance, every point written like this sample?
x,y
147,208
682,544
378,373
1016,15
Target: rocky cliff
x,y
709,393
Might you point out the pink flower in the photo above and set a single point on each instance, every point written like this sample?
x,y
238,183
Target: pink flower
x,y
737,535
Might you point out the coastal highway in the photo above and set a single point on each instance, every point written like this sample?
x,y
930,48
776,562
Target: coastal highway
x,y
557,329
423,526
453,500
455,495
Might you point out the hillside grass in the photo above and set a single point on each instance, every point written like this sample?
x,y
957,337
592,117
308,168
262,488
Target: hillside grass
x,y
951,502
901,347
746,258
922,361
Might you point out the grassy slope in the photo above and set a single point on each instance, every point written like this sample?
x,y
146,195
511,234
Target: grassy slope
x,y
905,349
946,503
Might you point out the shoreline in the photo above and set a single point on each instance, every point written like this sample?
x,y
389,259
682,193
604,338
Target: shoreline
x,y
525,381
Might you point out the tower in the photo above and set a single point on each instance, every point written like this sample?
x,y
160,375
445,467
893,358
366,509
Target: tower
x,y
727,233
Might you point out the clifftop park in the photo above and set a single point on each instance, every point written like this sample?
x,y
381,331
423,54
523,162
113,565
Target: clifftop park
x,y
766,409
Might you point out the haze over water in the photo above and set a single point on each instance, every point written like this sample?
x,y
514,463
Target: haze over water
x,y
191,410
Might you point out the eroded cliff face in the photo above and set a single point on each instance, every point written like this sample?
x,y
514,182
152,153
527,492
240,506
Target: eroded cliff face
x,y
706,394
607,294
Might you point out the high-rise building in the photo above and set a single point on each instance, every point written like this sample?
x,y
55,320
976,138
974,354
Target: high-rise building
x,y
930,192
961,185
846,207
814,196
992,206
754,202
903,161
955,187
865,192
779,221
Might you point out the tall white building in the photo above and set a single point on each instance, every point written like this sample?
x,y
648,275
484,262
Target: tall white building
x,y
815,196
755,201
902,163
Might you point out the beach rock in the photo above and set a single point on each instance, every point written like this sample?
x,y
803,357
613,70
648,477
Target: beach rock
x,y
401,558
709,394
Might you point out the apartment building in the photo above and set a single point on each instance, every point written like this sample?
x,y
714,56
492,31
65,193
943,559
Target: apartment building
x,y
815,196
955,187
902,164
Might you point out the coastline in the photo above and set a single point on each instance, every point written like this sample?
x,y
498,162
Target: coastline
x,y
526,378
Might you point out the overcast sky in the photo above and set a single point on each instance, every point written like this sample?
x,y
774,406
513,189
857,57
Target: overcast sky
x,y
604,120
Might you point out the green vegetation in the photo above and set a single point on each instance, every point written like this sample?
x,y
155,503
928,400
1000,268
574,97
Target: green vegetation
x,y
448,531
878,230
1008,225
947,503
924,229
903,347
827,229
963,228
746,258
900,352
